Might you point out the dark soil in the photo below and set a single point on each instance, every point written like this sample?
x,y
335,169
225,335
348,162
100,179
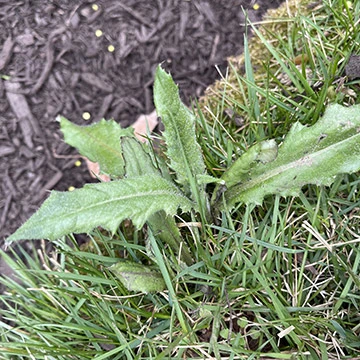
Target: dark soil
x,y
51,63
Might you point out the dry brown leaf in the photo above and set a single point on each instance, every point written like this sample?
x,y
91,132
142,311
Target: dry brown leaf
x,y
94,170
144,122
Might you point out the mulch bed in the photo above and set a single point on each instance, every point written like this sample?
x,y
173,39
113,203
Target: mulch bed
x,y
52,62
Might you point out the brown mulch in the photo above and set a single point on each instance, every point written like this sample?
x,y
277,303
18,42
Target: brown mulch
x,y
51,63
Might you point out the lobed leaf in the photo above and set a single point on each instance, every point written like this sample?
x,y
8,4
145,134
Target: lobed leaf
x,y
99,142
308,155
182,147
138,163
239,171
103,204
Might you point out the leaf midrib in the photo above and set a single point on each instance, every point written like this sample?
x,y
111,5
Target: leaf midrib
x,y
156,193
282,168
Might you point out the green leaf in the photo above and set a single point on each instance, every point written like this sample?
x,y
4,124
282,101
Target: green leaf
x,y
138,163
208,179
182,148
99,142
265,151
309,155
103,204
137,277
164,228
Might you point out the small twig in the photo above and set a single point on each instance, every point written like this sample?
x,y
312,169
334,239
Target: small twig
x,y
49,61
134,14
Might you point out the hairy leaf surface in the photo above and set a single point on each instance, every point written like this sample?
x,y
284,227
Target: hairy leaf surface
x,y
139,163
99,142
103,204
308,155
182,147
239,171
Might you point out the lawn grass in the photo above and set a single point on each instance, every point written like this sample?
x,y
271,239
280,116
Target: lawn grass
x,y
277,281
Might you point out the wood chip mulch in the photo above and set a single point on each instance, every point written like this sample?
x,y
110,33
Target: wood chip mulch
x,y
70,57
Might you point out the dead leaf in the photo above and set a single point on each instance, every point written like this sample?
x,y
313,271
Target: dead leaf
x,y
94,170
145,123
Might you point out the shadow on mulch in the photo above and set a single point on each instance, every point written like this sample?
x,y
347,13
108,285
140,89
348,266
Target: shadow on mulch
x,y
54,60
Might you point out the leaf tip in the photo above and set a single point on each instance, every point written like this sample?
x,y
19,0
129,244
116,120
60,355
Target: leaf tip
x,y
61,119
16,236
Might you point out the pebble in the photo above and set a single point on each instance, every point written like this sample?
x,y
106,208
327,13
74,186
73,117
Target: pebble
x,y
25,39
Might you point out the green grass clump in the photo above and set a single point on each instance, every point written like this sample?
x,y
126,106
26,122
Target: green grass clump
x,y
280,281
292,68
